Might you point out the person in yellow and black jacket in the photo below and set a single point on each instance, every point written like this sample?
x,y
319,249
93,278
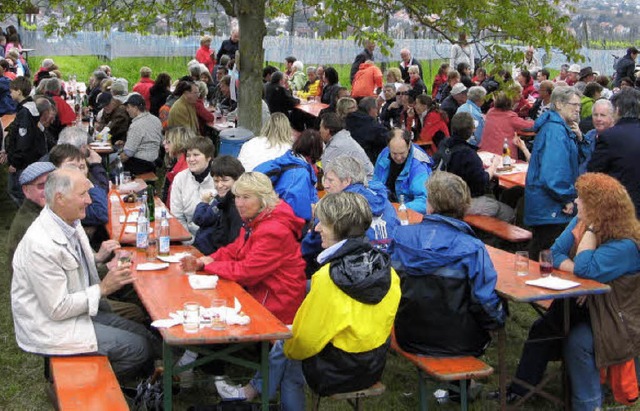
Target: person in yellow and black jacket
x,y
341,331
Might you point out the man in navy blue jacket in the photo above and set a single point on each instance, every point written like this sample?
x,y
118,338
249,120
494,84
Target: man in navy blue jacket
x,y
618,148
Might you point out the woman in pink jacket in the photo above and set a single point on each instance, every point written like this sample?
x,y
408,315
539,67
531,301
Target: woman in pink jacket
x,y
502,122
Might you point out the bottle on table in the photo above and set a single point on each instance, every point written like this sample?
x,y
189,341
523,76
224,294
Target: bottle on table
x,y
151,204
403,214
506,154
119,170
164,237
91,126
142,231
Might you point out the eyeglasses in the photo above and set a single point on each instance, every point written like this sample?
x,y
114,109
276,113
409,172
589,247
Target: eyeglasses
x,y
574,104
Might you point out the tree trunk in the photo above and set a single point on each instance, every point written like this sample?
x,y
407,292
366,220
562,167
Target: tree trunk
x,y
252,31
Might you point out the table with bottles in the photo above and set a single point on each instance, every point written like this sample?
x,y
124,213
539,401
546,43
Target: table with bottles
x,y
126,220
516,176
407,215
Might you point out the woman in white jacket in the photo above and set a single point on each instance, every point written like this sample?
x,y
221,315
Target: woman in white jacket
x,y
194,183
274,141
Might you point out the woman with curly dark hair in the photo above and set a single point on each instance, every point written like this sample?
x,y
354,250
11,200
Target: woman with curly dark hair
x,y
159,92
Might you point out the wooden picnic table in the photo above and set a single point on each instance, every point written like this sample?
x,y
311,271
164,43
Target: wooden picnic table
x,y
508,179
6,120
118,209
514,288
312,108
166,290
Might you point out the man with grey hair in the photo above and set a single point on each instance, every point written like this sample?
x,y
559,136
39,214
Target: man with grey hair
x,y
602,114
406,61
347,174
618,149
475,100
544,99
65,296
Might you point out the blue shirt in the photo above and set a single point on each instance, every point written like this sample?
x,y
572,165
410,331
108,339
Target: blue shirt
x,y
471,108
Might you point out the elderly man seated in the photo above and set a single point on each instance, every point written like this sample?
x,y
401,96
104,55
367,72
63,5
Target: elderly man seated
x,y
143,138
56,295
347,174
404,168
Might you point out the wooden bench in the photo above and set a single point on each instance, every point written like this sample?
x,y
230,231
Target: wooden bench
x,y
498,228
541,306
86,383
445,369
149,177
353,397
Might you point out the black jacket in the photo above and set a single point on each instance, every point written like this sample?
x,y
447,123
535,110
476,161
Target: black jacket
x,y
279,99
405,70
360,58
371,135
617,153
387,115
219,224
25,142
158,98
228,48
625,67
466,164
450,106
364,274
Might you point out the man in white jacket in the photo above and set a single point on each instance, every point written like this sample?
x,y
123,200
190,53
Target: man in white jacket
x,y
56,294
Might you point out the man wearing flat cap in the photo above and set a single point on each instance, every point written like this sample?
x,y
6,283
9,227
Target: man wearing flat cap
x,y
32,181
143,138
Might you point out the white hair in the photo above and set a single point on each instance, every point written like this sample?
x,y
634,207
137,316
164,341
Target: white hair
x,y
76,136
298,65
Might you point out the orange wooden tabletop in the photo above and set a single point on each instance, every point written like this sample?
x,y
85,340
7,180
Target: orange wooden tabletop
x,y
165,291
176,229
101,390
414,216
311,108
513,180
512,287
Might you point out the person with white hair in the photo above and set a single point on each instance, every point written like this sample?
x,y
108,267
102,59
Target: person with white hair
x,y
475,99
68,300
297,79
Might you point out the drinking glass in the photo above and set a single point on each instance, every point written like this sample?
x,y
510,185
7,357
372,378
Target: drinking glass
x,y
124,257
190,263
191,312
151,249
218,314
126,177
546,263
522,263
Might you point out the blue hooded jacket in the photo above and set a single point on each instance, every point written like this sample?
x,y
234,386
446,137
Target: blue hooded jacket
x,y
376,196
411,180
553,170
447,277
294,179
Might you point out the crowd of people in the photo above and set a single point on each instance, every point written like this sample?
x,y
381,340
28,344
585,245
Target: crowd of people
x,y
341,270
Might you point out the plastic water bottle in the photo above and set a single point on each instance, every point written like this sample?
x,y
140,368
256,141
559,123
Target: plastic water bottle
x,y
142,232
403,214
164,237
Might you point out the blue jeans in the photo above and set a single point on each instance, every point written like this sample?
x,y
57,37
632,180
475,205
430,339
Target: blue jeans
x,y
580,360
286,374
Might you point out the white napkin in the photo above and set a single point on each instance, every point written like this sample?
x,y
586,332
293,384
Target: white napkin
x,y
203,282
166,322
553,283
173,258
151,266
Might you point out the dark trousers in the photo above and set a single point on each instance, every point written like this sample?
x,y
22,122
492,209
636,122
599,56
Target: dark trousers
x,y
543,237
138,166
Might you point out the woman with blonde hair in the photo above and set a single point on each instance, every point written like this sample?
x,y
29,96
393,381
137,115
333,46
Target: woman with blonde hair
x,y
205,55
344,106
601,243
175,147
266,260
274,140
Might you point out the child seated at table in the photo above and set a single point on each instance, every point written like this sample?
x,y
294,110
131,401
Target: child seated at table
x,y
217,216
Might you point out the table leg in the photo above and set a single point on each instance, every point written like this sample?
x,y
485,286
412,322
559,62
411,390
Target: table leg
x,y
264,370
502,366
167,359
565,377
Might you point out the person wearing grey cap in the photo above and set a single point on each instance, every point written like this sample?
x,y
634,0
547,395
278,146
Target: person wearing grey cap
x,y
457,98
143,138
32,182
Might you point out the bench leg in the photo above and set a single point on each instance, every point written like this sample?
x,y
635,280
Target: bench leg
x,y
167,357
464,406
422,388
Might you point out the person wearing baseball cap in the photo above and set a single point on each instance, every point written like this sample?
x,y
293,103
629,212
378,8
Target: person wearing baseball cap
x,y
32,182
143,138
572,75
457,98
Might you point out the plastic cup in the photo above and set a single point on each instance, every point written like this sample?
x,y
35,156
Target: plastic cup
x,y
218,314
124,257
546,263
191,312
522,263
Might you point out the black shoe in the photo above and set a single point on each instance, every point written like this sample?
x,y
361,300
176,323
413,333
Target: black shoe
x,y
511,396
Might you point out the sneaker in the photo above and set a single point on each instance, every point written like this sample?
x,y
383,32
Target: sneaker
x,y
229,392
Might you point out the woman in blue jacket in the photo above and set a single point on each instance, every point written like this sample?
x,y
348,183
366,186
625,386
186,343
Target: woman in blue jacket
x,y
293,174
558,150
404,168
602,244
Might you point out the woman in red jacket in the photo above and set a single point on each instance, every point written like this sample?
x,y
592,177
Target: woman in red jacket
x,y
204,54
265,258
